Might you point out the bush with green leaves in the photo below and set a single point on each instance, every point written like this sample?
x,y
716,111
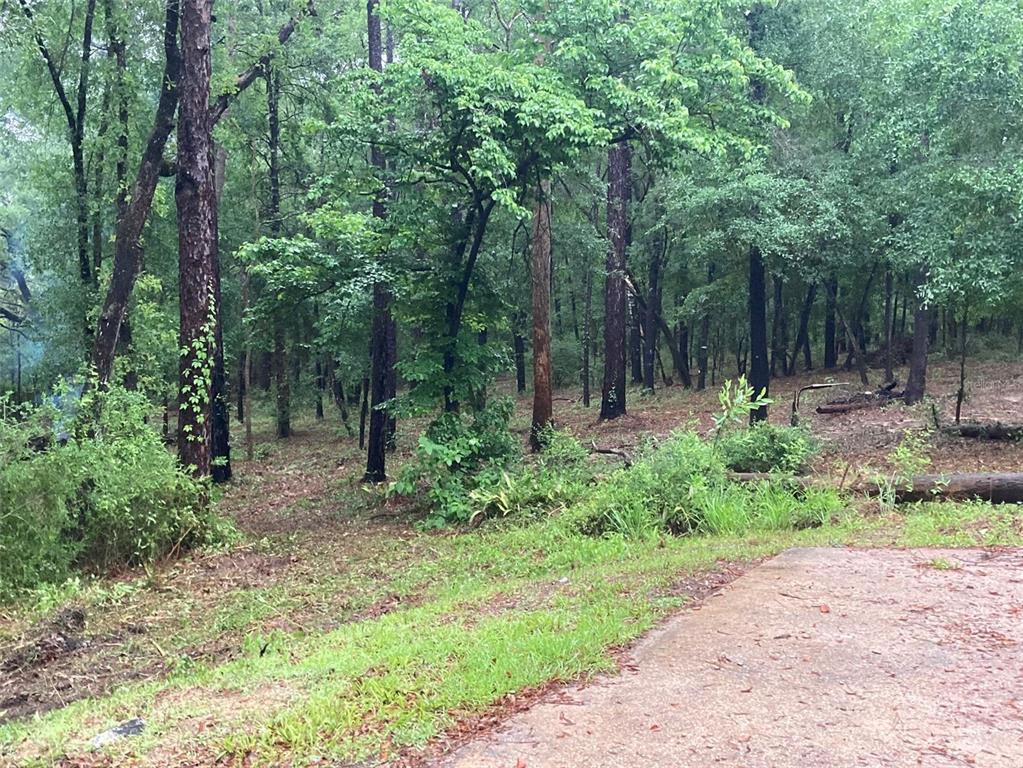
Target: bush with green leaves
x,y
92,493
766,447
682,487
457,454
560,476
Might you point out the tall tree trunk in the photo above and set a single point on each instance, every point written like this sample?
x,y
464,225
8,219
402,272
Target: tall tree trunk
x,y
760,372
803,333
759,369
128,239
540,272
635,342
703,341
778,343
282,382
380,362
830,336
916,383
74,115
889,327
653,315
519,349
612,401
195,196
221,427
850,337
588,334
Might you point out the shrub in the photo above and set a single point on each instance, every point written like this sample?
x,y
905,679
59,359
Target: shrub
x,y
682,488
457,454
766,447
559,478
656,493
110,496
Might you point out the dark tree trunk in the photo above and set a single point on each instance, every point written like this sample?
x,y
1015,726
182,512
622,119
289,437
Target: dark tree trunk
x,y
519,348
916,383
612,401
242,387
760,370
282,380
363,412
703,341
320,386
588,334
803,333
889,327
128,239
635,343
779,331
380,358
540,269
195,195
652,316
830,328
127,243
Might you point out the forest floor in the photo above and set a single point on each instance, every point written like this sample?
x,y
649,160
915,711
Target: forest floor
x,y
337,630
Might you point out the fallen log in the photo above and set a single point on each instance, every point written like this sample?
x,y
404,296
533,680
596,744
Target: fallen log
x,y
996,487
995,431
861,400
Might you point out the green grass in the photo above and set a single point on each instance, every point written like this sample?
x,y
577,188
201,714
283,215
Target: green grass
x,y
485,614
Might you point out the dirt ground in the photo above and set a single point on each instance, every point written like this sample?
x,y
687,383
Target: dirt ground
x,y
819,657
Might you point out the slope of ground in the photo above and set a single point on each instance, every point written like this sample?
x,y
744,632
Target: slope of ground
x,y
248,651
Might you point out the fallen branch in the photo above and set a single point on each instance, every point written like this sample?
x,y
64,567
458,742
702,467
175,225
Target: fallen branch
x,y
626,459
862,400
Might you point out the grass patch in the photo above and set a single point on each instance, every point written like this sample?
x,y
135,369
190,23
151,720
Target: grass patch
x,y
441,627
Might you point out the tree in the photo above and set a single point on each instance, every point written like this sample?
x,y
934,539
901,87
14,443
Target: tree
x,y
196,200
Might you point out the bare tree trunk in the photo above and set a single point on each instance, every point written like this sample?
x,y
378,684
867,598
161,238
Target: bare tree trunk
x,y
916,384
128,240
380,361
540,271
652,316
588,334
760,371
197,239
519,348
612,402
803,333
961,394
703,341
831,303
889,327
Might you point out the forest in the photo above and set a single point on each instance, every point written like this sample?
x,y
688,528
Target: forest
x,y
369,370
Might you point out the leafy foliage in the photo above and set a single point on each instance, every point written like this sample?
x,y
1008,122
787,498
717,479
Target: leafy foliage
x,y
766,447
93,493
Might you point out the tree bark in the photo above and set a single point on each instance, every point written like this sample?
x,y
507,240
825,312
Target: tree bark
x,y
889,327
703,341
128,239
588,334
195,196
127,244
380,362
803,333
540,272
653,315
916,383
519,348
759,369
612,401
831,302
